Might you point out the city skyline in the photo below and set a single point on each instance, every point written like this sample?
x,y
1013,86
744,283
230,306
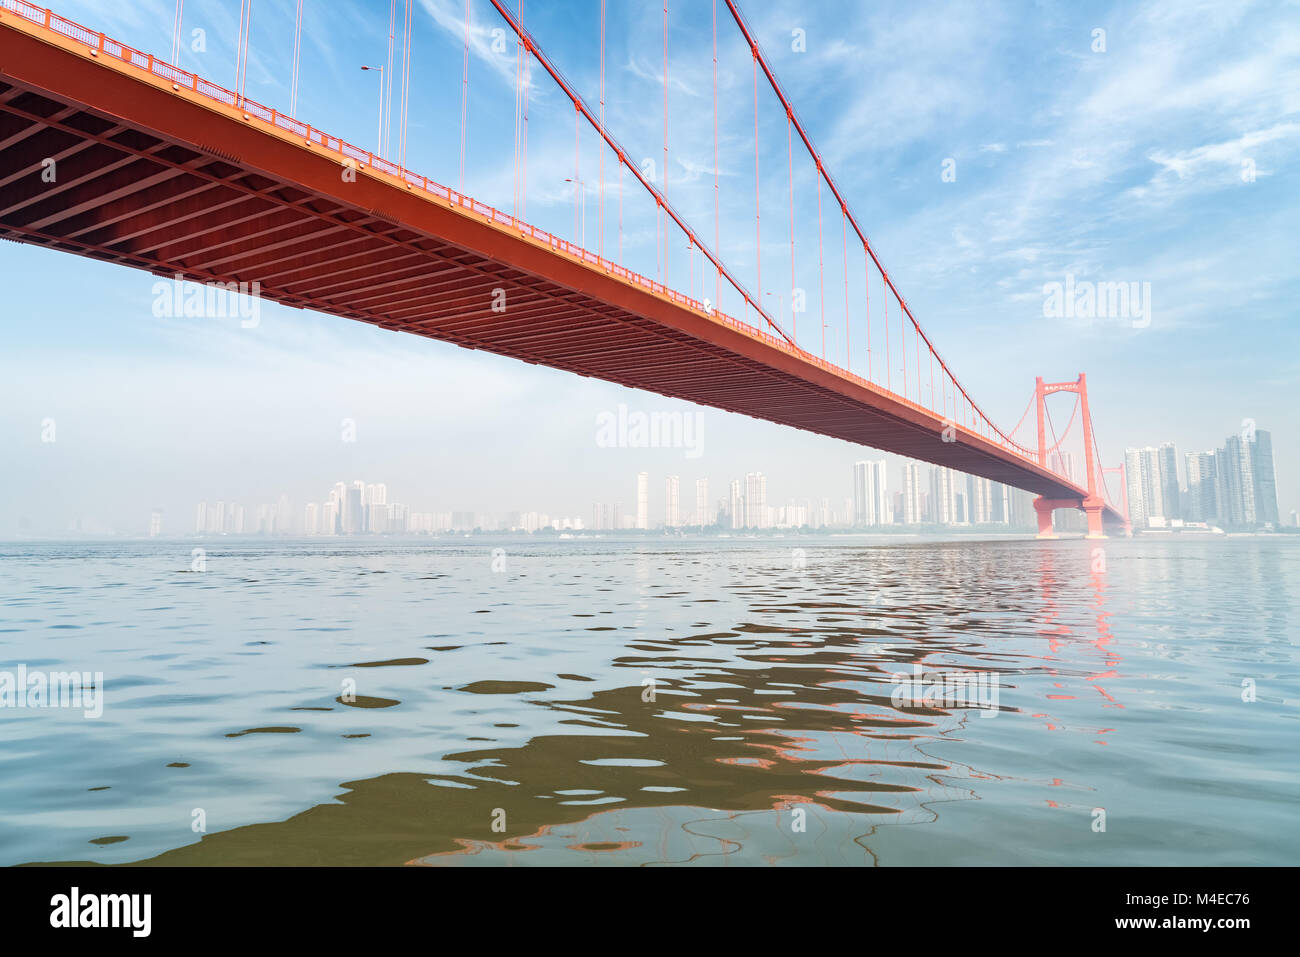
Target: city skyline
x,y
948,498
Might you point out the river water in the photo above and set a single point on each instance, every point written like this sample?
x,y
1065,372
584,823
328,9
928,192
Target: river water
x,y
813,700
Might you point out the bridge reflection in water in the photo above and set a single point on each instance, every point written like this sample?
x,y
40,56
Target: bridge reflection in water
x,y
775,735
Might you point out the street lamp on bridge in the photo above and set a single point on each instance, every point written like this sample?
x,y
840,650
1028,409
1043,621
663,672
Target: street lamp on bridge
x,y
379,148
579,199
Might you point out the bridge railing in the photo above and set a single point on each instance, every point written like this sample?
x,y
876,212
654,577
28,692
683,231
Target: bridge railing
x,y
181,78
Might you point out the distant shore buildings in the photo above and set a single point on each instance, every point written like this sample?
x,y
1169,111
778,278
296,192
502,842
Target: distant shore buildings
x,y
1233,487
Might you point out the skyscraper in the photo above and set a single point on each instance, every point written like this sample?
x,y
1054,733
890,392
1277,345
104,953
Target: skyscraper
x,y
979,500
1153,485
311,519
1021,513
870,499
1000,507
911,493
1261,465
375,501
822,515
736,505
353,511
605,516
943,496
1202,501
1146,485
1237,482
642,500
339,499
755,500
1137,509
1169,493
398,516
672,510
702,516
329,517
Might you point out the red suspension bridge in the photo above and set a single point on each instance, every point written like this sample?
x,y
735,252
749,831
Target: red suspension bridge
x,y
163,170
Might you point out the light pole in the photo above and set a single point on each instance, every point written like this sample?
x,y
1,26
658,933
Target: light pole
x,y
580,188
379,148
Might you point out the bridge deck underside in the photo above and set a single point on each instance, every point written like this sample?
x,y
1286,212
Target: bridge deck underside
x,y
197,191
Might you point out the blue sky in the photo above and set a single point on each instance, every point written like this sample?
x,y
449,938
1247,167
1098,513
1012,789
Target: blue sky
x,y
1122,165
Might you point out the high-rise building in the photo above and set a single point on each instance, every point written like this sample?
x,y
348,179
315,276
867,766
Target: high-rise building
x,y
672,503
1153,486
353,510
1021,513
795,515
1146,486
375,502
943,496
1237,482
1261,465
357,515
736,505
860,493
1201,503
606,516
265,519
311,519
398,517
1133,467
1169,489
979,500
642,500
155,523
1000,507
1245,482
1228,502
702,516
756,500
201,517
911,493
339,499
870,498
823,517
